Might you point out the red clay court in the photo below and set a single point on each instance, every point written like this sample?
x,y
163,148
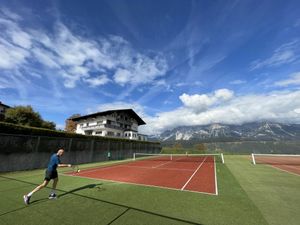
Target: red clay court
x,y
287,163
195,173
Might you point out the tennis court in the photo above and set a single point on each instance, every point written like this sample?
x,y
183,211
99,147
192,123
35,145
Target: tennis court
x,y
284,162
194,173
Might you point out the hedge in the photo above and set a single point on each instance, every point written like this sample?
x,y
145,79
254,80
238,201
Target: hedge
x,y
9,128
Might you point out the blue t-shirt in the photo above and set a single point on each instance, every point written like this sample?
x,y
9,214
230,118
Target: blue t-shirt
x,y
54,161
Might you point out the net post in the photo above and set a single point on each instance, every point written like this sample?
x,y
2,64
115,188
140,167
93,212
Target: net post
x,y
222,156
134,156
253,159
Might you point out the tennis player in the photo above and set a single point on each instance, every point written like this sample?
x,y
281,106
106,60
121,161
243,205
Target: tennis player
x,y
51,174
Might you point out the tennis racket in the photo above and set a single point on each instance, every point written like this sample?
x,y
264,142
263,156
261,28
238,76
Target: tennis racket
x,y
75,169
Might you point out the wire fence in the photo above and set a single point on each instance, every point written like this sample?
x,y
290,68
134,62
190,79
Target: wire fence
x,y
21,152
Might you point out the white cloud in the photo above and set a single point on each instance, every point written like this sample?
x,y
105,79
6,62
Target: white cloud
x,y
9,14
182,84
164,84
224,94
75,58
293,80
11,56
286,53
199,103
98,81
122,76
140,69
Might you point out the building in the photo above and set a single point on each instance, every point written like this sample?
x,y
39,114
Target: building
x,y
122,123
3,108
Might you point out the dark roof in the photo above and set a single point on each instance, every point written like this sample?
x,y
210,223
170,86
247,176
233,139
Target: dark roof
x,y
4,105
130,112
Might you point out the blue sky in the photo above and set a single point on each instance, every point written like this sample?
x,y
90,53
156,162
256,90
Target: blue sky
x,y
174,62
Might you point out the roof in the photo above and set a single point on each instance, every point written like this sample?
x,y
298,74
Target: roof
x,y
128,111
6,106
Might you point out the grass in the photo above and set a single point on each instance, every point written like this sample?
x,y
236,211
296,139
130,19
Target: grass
x,y
247,195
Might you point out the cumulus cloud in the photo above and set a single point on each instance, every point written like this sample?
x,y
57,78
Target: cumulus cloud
x,y
199,103
286,53
75,58
294,79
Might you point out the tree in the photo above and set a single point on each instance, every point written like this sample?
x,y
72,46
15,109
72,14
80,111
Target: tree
x,y
200,147
177,145
70,124
25,115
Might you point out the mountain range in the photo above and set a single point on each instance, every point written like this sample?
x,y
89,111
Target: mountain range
x,y
255,131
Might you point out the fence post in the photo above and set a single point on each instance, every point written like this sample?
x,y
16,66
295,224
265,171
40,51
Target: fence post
x,y
92,145
38,143
70,144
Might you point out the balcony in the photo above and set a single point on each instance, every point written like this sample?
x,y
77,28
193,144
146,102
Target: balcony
x,y
102,126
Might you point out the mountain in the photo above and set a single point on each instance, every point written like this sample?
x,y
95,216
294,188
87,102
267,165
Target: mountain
x,y
256,131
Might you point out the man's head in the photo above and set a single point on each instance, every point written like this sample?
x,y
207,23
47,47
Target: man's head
x,y
60,152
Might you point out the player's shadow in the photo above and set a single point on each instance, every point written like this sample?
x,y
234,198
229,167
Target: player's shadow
x,y
80,188
70,192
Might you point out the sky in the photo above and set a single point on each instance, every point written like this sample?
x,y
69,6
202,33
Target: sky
x,y
174,62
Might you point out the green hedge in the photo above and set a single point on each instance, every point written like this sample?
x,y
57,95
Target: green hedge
x,y
9,128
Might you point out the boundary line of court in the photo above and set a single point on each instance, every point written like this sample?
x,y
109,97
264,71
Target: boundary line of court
x,y
155,168
159,165
216,180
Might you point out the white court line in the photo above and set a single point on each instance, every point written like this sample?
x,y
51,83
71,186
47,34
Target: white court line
x,y
144,167
161,164
216,182
165,163
96,169
193,174
284,170
142,185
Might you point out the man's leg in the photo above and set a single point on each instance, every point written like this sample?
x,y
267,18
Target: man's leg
x,y
52,194
28,196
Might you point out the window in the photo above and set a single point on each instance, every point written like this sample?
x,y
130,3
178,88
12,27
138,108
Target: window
x,y
109,133
99,132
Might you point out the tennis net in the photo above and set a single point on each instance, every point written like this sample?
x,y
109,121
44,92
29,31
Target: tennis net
x,y
275,159
180,157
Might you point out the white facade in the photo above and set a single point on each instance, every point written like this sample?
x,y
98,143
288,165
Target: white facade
x,y
119,124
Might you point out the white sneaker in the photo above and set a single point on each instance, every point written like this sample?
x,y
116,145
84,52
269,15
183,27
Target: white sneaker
x,y
26,199
52,196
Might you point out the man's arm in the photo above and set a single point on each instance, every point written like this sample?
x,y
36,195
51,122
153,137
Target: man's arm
x,y
64,165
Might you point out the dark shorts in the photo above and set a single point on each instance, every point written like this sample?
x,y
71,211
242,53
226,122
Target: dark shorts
x,y
50,175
